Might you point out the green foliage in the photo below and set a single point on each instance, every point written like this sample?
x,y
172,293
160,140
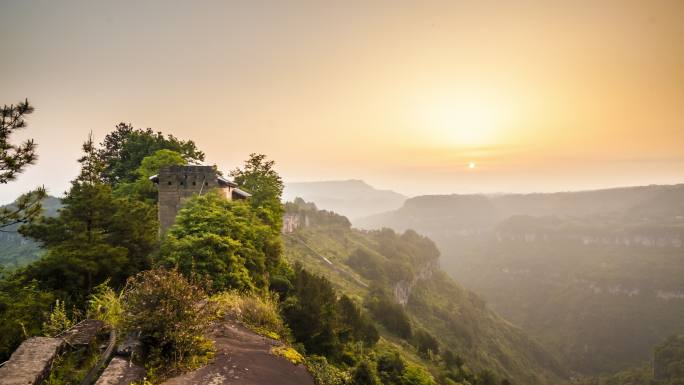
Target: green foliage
x,y
23,309
123,150
322,322
95,237
259,178
356,326
324,373
425,342
390,314
170,315
391,368
416,375
474,336
106,305
258,312
24,210
14,158
288,353
312,315
221,241
365,374
142,188
669,360
58,320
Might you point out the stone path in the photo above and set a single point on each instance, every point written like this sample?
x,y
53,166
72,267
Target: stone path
x,y
30,363
243,357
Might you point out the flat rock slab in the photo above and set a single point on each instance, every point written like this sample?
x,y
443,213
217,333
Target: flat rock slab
x,y
120,372
83,333
30,363
243,357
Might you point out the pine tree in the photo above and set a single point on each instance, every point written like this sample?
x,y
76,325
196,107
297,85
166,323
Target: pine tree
x,y
13,160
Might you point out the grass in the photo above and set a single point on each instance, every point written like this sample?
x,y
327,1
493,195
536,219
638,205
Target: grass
x,y
288,353
259,313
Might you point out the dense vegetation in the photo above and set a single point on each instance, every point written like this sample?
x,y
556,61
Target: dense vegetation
x,y
596,276
443,327
102,258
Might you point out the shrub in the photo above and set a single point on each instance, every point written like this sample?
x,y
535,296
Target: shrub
x,y
416,375
425,342
364,374
58,320
105,305
259,313
288,353
391,314
170,315
324,373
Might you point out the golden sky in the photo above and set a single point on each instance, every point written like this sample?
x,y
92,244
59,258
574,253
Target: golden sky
x,y
537,95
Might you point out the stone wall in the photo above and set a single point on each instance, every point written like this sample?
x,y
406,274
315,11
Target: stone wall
x,y
177,183
30,364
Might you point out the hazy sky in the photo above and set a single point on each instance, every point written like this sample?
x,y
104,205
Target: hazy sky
x,y
539,95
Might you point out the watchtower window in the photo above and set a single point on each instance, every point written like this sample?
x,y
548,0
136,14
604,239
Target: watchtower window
x,y
181,183
194,183
206,183
170,183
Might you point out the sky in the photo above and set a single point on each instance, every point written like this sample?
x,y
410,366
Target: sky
x,y
420,97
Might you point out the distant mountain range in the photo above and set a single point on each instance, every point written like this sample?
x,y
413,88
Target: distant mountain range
x,y
597,276
351,198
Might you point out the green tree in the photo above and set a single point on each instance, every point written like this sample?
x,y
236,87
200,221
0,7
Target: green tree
x,y
390,368
364,374
95,236
222,241
23,309
123,150
13,160
260,179
142,188
312,315
356,325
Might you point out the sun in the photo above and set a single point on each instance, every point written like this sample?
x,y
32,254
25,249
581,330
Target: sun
x,y
471,165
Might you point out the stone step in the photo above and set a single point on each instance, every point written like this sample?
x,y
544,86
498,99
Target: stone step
x,y
121,372
83,333
30,364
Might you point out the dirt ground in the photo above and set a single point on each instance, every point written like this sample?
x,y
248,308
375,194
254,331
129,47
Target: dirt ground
x,y
243,357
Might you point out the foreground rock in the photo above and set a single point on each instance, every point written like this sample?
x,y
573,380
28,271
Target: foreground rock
x,y
30,363
243,357
121,372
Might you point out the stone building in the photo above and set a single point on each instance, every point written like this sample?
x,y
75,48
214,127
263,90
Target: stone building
x,y
177,183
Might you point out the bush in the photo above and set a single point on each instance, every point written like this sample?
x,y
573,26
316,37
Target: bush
x,y
58,320
324,373
105,305
425,342
391,314
364,374
259,313
170,315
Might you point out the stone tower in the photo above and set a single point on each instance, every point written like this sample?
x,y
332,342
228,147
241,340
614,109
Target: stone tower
x,y
177,183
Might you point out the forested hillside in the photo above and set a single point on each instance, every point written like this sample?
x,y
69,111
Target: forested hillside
x,y
596,276
397,276
17,250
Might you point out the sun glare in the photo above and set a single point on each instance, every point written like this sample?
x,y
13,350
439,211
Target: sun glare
x,y
465,121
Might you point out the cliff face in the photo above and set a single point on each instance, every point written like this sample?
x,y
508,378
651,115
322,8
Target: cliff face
x,y
402,289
